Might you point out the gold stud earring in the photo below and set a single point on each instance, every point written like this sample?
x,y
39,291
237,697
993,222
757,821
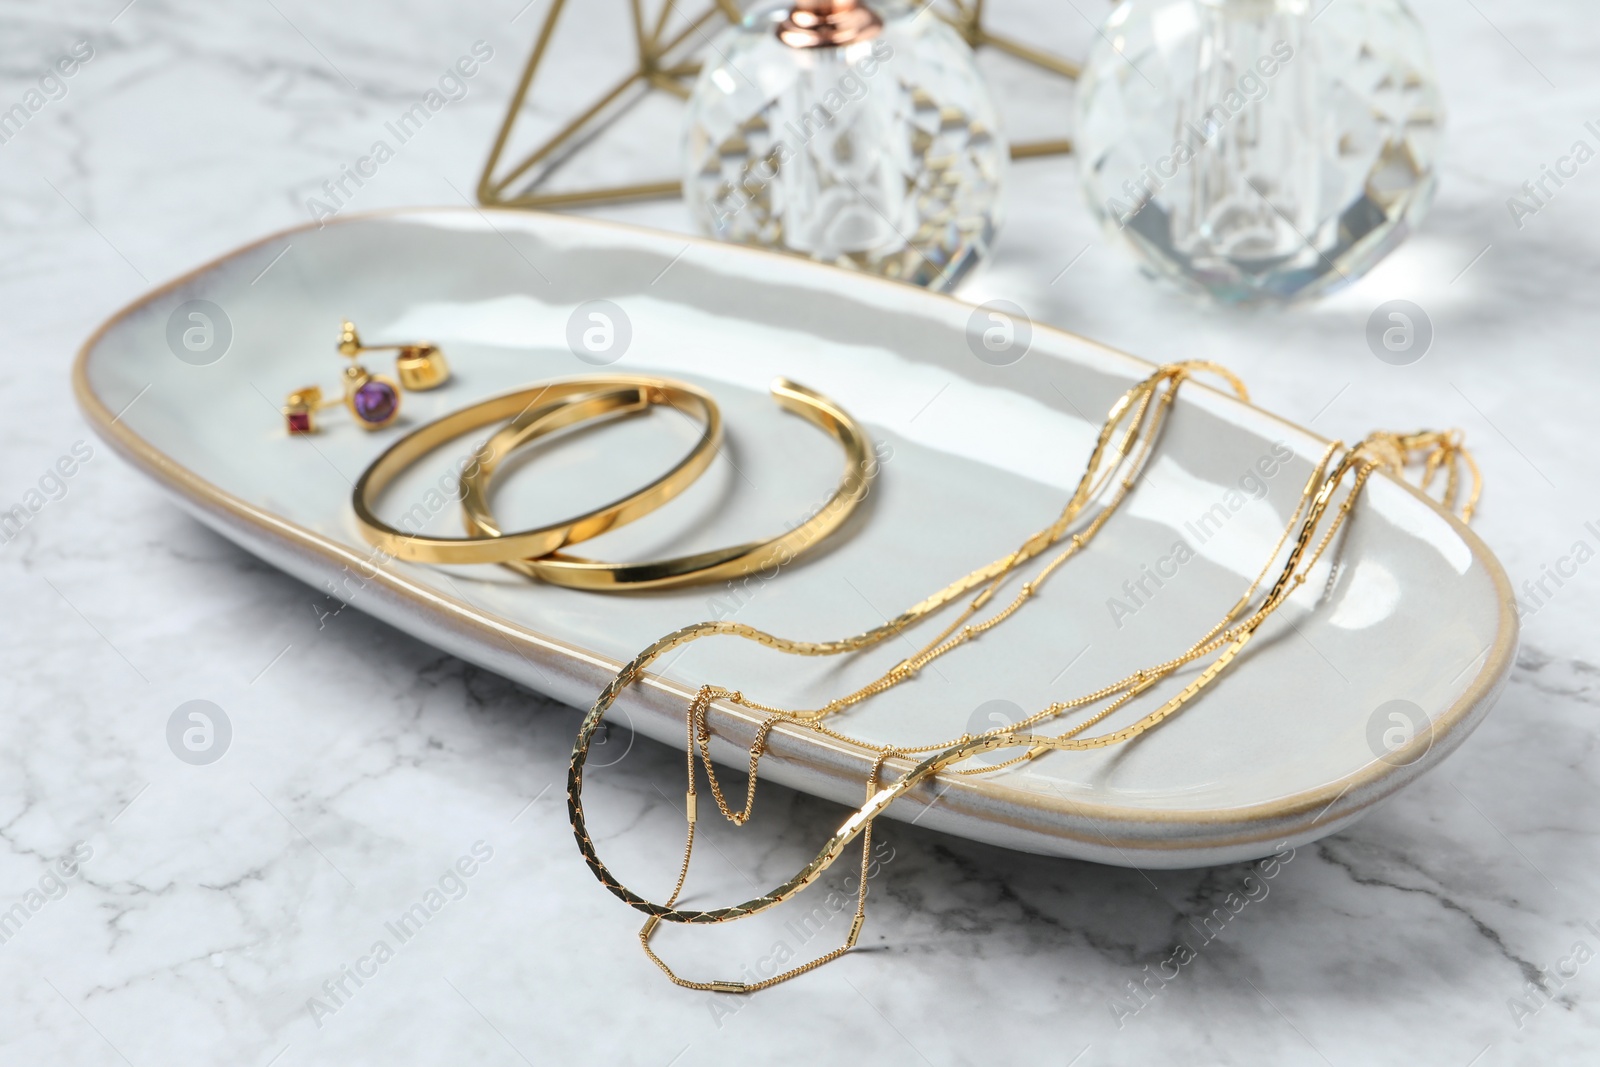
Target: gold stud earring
x,y
420,364
421,367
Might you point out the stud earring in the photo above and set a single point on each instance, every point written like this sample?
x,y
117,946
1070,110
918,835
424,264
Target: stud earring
x,y
420,365
374,399
300,411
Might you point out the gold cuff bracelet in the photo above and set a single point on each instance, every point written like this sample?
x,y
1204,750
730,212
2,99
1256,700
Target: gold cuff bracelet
x,y
536,412
714,565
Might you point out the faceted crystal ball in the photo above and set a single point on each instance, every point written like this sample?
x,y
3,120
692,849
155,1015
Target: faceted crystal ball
x,y
1259,149
884,154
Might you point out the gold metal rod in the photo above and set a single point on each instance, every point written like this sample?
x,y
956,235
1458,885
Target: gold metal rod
x,y
486,187
667,83
491,191
569,129
647,59
616,194
1064,67
963,21
705,16
661,21
1036,149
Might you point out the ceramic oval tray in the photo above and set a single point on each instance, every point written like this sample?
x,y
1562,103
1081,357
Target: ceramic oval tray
x,y
973,457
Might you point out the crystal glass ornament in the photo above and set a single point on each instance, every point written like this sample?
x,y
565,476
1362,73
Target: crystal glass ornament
x,y
1259,149
862,137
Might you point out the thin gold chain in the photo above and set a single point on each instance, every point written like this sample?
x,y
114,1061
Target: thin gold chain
x,y
1143,408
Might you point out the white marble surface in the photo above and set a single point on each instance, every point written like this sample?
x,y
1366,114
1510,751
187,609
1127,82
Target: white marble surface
x,y
215,901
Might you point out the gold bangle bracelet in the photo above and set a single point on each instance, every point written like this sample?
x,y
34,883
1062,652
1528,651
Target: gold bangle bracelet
x,y
715,565
539,410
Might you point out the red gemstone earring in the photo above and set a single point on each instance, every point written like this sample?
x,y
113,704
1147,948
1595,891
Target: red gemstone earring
x,y
300,412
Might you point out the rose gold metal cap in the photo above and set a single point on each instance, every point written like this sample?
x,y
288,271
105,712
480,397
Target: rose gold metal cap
x,y
828,24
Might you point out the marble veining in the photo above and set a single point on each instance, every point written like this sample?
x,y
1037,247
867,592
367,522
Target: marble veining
x,y
208,907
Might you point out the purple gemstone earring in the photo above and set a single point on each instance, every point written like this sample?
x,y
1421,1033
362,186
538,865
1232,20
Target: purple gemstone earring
x,y
374,399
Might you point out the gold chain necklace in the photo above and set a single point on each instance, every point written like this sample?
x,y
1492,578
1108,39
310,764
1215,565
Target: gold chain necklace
x,y
1143,408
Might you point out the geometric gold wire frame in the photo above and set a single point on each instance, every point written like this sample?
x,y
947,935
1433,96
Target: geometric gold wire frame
x,y
665,64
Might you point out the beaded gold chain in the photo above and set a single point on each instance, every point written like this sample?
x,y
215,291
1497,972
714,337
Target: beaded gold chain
x,y
1116,460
